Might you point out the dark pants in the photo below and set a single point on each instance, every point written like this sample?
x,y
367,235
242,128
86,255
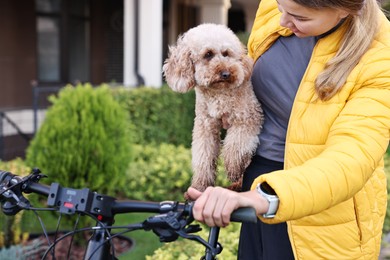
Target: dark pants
x,y
260,240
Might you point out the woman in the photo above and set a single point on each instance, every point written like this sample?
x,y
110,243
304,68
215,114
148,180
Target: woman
x,y
322,74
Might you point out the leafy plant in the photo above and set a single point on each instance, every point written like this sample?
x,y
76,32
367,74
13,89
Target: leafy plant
x,y
84,140
186,249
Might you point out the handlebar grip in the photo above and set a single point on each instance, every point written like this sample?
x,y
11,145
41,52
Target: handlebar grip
x,y
247,215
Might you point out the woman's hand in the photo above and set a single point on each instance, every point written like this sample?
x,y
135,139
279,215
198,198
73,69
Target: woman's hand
x,y
215,205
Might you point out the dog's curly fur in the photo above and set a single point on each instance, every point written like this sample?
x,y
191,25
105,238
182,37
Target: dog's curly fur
x,y
211,59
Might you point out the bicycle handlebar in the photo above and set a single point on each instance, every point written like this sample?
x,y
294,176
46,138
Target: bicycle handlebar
x,y
173,220
70,200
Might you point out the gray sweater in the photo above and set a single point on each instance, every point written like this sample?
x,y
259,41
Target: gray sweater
x,y
276,77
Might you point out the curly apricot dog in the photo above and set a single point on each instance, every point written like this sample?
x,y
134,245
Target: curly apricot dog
x,y
213,61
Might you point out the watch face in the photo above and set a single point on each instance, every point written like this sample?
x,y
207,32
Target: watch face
x,y
267,189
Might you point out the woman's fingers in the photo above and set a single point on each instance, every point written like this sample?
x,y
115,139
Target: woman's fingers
x,y
223,205
193,193
210,210
200,202
214,206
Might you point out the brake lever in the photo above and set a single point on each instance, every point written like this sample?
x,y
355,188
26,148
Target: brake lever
x,y
164,226
213,250
14,201
13,192
192,229
169,227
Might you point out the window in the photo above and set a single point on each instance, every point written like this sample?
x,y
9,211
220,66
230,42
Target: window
x,y
63,40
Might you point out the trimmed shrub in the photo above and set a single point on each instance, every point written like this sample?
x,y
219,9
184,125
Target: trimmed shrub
x,y
161,172
84,140
160,115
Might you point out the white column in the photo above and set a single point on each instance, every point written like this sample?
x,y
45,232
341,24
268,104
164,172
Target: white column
x,y
129,77
214,11
150,45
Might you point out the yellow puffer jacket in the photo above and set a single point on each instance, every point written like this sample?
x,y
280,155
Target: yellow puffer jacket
x,y
333,188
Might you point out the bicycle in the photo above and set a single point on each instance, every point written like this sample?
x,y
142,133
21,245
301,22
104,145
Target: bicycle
x,y
173,219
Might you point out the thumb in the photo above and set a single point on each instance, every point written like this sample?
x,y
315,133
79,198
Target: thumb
x,y
193,193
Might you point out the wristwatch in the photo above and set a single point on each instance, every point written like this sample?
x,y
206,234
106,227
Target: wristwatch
x,y
269,194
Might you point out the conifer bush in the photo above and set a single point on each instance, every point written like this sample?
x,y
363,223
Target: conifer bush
x,y
84,140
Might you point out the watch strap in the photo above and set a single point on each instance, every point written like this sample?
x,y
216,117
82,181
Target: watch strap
x,y
273,201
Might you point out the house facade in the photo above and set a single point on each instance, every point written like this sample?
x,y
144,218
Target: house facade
x,y
46,44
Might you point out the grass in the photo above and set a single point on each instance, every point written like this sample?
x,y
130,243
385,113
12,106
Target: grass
x,y
145,242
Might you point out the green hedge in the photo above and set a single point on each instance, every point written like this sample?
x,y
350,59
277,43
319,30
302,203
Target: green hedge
x,y
160,115
161,172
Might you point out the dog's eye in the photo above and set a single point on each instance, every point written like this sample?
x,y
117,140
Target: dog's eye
x,y
208,55
225,53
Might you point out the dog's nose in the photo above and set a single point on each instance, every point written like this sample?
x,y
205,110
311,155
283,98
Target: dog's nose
x,y
225,74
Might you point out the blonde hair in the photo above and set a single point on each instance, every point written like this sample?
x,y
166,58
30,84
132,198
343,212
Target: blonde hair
x,y
362,24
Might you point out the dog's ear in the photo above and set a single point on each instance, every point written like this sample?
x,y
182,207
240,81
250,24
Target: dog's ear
x,y
178,68
247,63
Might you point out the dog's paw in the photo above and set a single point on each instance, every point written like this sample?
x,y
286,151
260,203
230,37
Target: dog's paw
x,y
235,168
234,175
236,186
187,197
